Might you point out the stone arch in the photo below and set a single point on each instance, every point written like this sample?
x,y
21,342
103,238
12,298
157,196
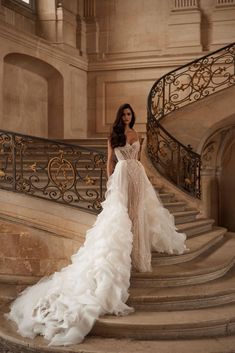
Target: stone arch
x,y
218,173
32,97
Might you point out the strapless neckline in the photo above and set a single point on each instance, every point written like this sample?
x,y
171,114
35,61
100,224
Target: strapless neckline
x,y
131,144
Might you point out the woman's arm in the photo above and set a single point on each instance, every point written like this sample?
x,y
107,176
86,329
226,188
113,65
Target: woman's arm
x,y
110,163
138,137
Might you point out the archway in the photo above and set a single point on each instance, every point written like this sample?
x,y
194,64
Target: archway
x,y
218,175
32,97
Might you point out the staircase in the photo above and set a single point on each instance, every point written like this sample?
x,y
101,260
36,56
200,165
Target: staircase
x,y
186,296
189,296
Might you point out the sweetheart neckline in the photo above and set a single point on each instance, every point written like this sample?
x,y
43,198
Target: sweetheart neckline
x,y
130,144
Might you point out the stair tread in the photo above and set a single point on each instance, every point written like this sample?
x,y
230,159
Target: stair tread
x,y
103,345
220,257
222,285
179,318
184,213
196,222
196,242
174,203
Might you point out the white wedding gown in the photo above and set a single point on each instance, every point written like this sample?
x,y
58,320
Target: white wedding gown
x,y
64,306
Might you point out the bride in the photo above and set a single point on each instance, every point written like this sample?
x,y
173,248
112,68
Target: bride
x,y
64,307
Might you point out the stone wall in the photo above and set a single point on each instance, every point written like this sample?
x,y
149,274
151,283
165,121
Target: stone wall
x,y
43,83
103,53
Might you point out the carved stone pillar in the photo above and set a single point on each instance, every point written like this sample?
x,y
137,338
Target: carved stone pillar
x,y
184,27
223,23
67,22
81,35
46,20
56,22
92,27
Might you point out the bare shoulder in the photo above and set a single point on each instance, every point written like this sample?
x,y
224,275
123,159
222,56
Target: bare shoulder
x,y
137,135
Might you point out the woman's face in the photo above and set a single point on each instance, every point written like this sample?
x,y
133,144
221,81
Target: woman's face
x,y
126,116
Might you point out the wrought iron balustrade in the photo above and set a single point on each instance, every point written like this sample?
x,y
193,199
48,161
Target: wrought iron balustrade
x,y
52,170
183,86
172,159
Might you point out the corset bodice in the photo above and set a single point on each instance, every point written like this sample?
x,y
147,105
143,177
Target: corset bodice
x,y
128,151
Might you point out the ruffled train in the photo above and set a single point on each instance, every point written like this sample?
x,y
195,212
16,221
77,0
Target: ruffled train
x,y
64,307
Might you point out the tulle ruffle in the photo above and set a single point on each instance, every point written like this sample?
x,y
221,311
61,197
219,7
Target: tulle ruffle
x,y
64,307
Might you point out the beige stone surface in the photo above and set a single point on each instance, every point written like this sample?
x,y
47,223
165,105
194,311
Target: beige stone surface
x,y
112,345
227,188
120,38
223,24
59,219
193,124
40,99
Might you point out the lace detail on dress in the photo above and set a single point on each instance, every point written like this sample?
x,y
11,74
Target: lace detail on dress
x,y
128,151
141,249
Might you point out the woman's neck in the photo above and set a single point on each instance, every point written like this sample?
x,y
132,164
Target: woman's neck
x,y
127,129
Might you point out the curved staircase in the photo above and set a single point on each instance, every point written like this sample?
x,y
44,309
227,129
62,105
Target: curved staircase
x,y
188,296
187,304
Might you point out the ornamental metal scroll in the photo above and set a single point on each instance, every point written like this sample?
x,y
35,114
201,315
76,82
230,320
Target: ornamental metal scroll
x,y
55,171
185,85
178,163
192,82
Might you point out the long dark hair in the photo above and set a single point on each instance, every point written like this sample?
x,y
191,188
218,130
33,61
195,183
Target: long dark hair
x,y
117,136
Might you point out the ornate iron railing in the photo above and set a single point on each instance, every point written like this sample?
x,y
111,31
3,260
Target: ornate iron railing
x,y
52,170
185,85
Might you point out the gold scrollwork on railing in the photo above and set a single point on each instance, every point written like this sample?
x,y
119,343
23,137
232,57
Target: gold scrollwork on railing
x,y
56,171
61,172
185,85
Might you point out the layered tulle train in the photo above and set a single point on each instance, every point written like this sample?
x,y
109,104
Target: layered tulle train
x,y
63,307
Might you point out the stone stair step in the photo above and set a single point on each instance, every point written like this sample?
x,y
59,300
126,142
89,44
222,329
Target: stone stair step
x,y
196,245
167,197
206,322
200,225
12,342
12,285
218,292
177,206
210,265
7,292
185,216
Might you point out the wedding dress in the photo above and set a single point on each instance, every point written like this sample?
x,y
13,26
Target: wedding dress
x,y
63,307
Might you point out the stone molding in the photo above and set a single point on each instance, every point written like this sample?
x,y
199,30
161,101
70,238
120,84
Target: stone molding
x,y
41,46
64,221
89,8
225,3
153,61
223,23
184,27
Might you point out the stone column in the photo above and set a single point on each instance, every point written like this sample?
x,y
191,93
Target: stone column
x,y
81,35
57,21
223,23
67,22
46,19
184,27
92,27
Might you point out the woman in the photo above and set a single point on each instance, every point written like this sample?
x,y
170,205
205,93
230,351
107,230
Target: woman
x,y
64,307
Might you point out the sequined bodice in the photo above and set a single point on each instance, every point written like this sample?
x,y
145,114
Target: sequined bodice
x,y
128,151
